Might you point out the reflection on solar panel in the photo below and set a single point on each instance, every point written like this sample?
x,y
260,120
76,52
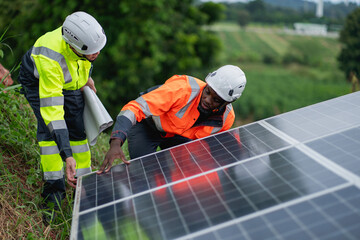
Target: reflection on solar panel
x,y
292,176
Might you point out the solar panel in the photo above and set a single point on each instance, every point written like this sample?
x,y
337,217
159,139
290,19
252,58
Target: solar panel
x,y
291,176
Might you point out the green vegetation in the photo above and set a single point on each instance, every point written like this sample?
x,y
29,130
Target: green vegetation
x,y
272,90
284,71
287,12
350,54
21,177
147,41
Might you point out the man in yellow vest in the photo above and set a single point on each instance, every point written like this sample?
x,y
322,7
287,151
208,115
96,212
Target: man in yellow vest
x,y
184,108
52,74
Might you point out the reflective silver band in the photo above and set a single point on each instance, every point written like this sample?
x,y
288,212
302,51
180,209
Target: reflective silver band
x,y
80,148
57,124
195,88
226,113
48,150
144,106
129,115
55,175
59,58
51,101
215,130
157,122
36,73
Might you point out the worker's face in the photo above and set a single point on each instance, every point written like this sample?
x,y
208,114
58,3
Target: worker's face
x,y
92,57
210,100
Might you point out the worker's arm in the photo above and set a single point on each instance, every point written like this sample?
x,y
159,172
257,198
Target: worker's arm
x,y
155,102
115,152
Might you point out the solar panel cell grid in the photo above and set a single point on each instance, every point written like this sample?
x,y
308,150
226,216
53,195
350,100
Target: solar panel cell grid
x,y
342,148
248,183
213,197
320,119
308,219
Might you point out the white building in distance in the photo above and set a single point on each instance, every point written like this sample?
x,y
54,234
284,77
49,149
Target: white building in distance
x,y
320,9
310,29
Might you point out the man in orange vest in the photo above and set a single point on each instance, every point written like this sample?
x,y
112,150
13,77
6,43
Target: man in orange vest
x,y
184,108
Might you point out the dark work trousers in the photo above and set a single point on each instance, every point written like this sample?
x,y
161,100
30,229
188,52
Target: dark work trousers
x,y
54,190
144,138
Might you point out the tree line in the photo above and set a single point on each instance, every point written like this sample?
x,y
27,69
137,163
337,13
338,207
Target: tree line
x,y
148,41
287,12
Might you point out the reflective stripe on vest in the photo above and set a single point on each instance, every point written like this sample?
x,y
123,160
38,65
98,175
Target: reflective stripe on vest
x,y
226,113
195,88
48,150
129,115
57,124
57,57
51,101
54,175
157,122
144,106
80,148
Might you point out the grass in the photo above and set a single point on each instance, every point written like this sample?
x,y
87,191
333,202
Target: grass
x,y
21,177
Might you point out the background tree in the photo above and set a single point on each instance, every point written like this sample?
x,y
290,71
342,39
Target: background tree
x,y
243,18
290,11
349,57
214,11
148,41
257,9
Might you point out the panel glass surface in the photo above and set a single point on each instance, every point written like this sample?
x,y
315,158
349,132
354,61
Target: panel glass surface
x,y
320,119
247,183
333,215
342,148
196,198
178,163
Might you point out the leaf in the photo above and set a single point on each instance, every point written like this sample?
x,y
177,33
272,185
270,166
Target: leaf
x,y
11,88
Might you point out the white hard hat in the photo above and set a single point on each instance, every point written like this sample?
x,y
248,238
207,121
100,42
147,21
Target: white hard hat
x,y
83,33
228,82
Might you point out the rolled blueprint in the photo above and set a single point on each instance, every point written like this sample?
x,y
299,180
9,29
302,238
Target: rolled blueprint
x,y
96,118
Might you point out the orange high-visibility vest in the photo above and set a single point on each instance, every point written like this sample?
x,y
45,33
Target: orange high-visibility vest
x,y
173,108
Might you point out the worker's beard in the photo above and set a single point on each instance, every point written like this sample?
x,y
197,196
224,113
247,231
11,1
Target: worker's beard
x,y
204,112
90,60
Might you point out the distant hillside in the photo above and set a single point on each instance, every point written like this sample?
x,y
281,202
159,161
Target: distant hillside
x,y
331,10
293,4
284,71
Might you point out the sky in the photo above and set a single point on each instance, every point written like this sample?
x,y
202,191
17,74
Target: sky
x,y
336,1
